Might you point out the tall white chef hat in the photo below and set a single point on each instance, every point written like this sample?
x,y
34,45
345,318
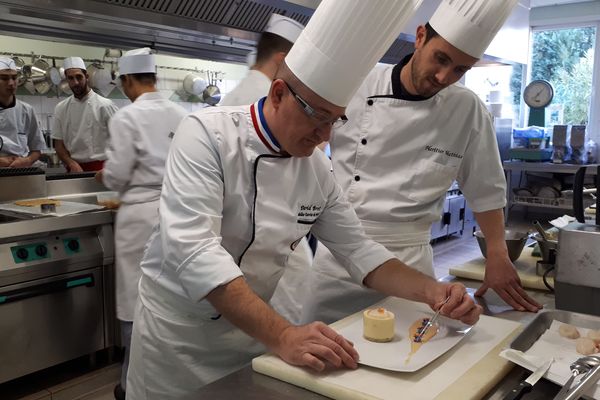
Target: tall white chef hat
x,y
138,61
285,27
7,63
73,62
343,41
470,25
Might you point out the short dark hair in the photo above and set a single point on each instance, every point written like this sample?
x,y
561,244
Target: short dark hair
x,y
146,78
430,33
270,44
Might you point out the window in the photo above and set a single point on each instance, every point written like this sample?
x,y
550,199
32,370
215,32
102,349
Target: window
x,y
565,58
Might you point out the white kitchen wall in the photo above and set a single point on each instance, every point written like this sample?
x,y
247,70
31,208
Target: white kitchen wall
x,y
169,80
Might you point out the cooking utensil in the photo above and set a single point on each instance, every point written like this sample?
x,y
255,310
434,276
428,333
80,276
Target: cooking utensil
x,y
194,84
99,76
540,229
515,241
525,386
212,94
588,365
40,76
21,78
431,321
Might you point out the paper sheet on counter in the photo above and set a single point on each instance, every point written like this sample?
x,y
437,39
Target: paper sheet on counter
x,y
63,209
551,344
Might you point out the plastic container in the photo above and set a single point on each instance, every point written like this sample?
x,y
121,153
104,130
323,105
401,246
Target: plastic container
x,y
109,200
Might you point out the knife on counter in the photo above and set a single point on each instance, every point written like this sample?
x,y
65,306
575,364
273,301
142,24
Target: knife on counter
x,y
525,386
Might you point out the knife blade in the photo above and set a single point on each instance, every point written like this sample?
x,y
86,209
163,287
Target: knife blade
x,y
525,386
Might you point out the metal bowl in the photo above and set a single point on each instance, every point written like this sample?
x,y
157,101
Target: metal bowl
x,y
515,241
547,247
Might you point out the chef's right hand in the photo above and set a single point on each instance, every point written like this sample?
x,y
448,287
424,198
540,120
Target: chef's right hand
x,y
74,166
6,161
314,345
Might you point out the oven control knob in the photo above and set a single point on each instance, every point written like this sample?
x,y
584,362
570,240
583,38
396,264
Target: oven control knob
x,y
41,250
73,245
22,254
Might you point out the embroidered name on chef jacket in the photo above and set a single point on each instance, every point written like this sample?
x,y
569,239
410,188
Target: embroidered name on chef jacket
x,y
442,151
307,214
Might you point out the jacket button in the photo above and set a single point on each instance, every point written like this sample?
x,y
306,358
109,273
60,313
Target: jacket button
x,y
364,141
370,102
357,178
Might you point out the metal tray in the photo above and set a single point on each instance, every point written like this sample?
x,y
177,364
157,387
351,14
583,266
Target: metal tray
x,y
542,322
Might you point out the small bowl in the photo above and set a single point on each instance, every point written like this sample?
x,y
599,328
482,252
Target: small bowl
x,y
109,200
546,248
515,241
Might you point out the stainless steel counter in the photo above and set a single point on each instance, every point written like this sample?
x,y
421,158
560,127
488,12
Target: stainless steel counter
x,y
249,385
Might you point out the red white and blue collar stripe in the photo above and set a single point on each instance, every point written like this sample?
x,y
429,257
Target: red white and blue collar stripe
x,y
261,127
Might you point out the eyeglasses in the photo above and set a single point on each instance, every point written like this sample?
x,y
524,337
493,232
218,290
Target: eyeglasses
x,y
320,118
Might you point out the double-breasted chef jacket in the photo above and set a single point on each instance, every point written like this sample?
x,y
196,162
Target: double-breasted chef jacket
x,y
232,205
20,130
395,160
140,137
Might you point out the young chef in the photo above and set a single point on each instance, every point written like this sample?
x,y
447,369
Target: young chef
x,y
274,43
22,140
140,137
413,130
80,127
242,186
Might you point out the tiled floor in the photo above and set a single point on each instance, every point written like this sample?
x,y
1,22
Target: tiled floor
x,y
74,383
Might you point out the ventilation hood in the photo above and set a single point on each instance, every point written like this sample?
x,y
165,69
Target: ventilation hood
x,y
219,30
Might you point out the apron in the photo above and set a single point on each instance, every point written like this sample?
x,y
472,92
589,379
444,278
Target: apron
x,y
133,226
332,295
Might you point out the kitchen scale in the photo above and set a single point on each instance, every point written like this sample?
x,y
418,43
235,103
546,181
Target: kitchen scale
x,y
538,95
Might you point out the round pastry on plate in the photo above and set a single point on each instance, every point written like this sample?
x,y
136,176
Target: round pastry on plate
x,y
378,325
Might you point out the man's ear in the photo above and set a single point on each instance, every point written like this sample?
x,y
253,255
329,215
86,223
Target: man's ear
x,y
421,36
277,92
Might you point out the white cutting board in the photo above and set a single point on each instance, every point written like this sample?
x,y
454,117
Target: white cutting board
x,y
64,208
475,269
467,371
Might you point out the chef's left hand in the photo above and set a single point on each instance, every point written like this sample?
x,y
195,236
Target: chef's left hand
x,y
502,277
21,162
460,305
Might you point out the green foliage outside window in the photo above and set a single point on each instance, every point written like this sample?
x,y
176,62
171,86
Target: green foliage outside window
x,y
565,57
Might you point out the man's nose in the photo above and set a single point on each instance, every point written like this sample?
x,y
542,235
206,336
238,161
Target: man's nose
x,y
444,76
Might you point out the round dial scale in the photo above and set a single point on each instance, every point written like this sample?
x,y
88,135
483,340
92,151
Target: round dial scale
x,y
538,94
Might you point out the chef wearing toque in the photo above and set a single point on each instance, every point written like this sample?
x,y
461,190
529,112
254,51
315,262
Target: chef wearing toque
x,y
22,140
242,186
140,137
274,43
80,129
412,131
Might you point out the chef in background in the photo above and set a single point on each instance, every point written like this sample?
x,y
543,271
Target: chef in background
x,y
243,185
274,43
140,137
80,128
22,140
412,131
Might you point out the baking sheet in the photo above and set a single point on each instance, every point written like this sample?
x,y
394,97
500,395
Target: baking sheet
x,y
541,340
393,355
65,208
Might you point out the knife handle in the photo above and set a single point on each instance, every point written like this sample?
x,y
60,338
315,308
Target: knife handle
x,y
518,391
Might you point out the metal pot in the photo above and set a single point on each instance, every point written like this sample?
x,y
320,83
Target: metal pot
x,y
40,76
194,84
21,78
99,77
515,241
64,87
211,94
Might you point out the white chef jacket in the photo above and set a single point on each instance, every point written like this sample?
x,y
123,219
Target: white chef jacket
x,y
140,137
19,130
251,88
395,159
231,206
83,125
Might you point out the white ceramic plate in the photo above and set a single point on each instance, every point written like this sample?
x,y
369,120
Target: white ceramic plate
x,y
392,355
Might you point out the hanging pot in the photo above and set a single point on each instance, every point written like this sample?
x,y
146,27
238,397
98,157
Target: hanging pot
x,y
194,84
53,74
212,94
99,77
64,87
40,76
21,78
